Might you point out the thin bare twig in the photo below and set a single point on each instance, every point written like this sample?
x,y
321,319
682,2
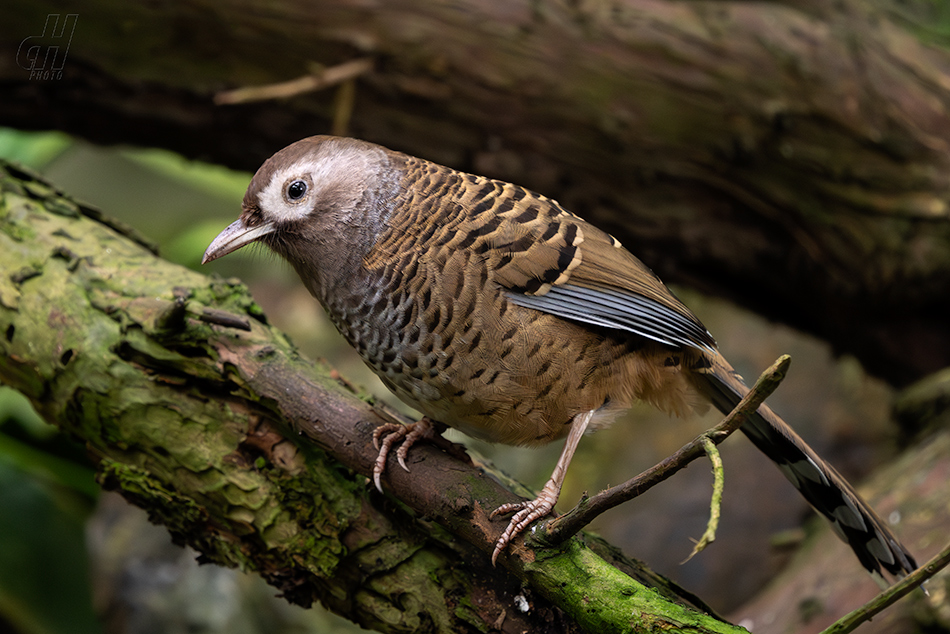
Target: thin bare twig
x,y
343,107
563,527
878,604
322,78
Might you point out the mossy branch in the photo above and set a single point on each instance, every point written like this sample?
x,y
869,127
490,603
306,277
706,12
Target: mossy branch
x,y
194,408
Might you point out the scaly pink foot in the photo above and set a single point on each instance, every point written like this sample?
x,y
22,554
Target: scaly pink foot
x,y
544,503
393,433
527,513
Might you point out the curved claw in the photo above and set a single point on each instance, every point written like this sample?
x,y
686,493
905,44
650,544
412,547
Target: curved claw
x,y
527,513
392,433
544,503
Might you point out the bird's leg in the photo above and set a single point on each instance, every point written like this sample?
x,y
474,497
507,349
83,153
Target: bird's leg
x,y
542,505
393,432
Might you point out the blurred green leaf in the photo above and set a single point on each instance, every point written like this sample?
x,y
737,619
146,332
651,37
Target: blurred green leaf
x,y
210,179
49,467
37,448
44,572
189,245
35,149
14,405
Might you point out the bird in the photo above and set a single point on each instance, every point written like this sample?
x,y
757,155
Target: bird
x,y
493,310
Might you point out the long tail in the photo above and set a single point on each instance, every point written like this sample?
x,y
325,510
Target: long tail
x,y
830,494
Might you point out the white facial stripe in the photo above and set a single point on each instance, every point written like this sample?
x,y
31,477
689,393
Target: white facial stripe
x,y
272,197
323,172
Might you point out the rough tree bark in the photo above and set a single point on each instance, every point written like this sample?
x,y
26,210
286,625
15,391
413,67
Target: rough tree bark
x,y
194,408
792,158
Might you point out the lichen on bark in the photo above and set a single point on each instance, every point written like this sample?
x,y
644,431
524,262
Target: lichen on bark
x,y
194,408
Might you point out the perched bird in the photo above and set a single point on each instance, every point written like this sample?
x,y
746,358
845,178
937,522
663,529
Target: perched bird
x,y
493,310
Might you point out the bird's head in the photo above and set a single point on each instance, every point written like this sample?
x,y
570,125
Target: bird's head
x,y
318,198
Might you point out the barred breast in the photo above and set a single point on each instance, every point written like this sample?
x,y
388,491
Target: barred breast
x,y
444,335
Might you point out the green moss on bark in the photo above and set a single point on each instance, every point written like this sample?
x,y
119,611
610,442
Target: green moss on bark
x,y
195,409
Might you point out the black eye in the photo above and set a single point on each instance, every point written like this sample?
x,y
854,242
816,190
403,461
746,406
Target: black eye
x,y
296,190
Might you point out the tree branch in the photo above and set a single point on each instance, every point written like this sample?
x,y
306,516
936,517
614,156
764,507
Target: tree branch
x,y
258,458
890,596
559,529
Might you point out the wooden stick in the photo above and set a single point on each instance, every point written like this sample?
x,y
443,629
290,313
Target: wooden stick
x,y
308,83
563,527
